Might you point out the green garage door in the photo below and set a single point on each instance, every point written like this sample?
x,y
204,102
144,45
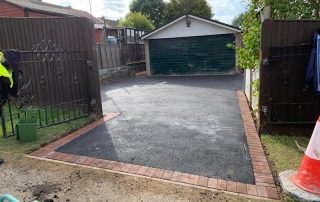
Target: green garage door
x,y
192,55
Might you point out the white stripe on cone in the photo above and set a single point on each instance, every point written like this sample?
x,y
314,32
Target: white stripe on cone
x,y
313,150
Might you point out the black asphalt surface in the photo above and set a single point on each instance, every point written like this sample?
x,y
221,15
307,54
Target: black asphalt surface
x,y
186,124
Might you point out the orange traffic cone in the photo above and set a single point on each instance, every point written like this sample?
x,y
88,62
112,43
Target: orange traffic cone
x,y
308,176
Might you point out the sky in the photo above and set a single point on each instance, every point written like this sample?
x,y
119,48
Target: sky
x,y
224,10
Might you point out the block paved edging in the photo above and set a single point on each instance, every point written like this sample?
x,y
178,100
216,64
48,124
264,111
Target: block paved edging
x,y
263,177
264,187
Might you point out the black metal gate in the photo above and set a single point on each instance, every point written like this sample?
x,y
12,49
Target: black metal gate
x,y
53,87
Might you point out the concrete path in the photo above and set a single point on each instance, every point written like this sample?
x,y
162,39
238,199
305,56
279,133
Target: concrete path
x,y
186,124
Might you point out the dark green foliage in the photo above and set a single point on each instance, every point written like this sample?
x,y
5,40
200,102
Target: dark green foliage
x,y
176,8
153,9
138,21
295,9
248,55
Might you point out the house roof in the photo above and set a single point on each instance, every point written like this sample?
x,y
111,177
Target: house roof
x,y
112,23
214,22
37,5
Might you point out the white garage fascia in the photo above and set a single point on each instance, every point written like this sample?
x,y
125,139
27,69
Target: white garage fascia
x,y
199,27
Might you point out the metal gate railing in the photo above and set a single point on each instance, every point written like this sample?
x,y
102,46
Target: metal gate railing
x,y
53,87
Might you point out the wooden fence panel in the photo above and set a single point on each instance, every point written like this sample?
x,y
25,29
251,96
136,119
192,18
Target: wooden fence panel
x,y
119,55
132,53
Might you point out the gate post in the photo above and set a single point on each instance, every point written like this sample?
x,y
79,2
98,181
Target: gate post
x,y
93,70
264,85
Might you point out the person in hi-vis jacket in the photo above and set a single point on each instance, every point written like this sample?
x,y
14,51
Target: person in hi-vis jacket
x,y
9,68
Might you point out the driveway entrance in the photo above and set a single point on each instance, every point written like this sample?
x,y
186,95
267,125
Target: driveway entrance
x,y
186,124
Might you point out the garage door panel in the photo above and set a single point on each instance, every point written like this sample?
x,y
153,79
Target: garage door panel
x,y
192,55
217,58
169,57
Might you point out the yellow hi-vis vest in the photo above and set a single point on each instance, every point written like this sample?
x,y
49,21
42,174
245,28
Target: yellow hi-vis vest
x,y
4,72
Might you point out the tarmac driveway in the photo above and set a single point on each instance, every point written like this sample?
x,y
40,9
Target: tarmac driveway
x,y
186,124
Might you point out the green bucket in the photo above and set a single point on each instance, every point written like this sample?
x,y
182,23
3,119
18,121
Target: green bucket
x,y
27,129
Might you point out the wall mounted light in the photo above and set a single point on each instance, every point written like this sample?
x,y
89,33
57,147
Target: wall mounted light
x,y
188,21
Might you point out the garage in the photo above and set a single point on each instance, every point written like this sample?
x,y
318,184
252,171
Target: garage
x,y
191,45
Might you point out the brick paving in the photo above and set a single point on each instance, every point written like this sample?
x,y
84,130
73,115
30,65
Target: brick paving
x,y
264,186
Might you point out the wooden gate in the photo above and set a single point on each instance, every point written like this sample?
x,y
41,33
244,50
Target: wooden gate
x,y
285,100
59,78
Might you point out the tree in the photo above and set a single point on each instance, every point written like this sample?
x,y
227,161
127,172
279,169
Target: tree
x,y
237,21
176,8
295,9
153,9
248,54
136,20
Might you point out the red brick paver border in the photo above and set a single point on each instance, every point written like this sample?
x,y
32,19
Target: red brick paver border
x,y
264,187
262,173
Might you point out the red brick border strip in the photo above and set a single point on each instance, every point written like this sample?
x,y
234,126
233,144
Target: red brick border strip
x,y
264,187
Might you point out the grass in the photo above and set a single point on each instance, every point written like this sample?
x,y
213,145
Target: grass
x,y
283,154
45,135
47,117
283,151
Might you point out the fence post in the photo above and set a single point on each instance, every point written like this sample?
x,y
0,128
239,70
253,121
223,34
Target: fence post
x,y
123,56
100,54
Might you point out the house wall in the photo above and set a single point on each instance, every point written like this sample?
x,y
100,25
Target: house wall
x,y
10,11
197,28
98,33
40,15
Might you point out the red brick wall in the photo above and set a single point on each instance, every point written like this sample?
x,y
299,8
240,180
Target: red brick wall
x,y
10,11
98,35
40,15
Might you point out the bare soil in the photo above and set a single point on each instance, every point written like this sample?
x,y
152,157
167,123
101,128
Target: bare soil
x,y
31,179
